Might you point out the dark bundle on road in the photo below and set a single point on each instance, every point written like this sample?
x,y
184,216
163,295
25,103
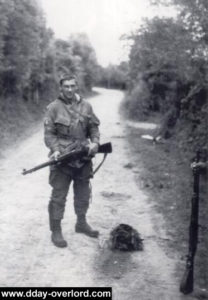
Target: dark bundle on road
x,y
125,238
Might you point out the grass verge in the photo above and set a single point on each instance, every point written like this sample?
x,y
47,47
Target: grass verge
x,y
163,171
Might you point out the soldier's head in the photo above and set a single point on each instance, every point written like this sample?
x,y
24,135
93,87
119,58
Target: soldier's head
x,y
68,86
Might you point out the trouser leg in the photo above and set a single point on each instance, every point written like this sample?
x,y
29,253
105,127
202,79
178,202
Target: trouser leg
x,y
60,183
82,192
81,196
60,186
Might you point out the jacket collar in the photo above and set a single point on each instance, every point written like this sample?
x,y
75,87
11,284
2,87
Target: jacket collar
x,y
76,99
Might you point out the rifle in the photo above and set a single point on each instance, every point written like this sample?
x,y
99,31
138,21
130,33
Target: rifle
x,y
187,282
71,156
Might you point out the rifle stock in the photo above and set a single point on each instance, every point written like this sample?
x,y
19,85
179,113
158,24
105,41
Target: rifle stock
x,y
73,155
187,282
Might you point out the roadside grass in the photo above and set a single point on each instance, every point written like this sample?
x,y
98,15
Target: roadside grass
x,y
163,171
17,120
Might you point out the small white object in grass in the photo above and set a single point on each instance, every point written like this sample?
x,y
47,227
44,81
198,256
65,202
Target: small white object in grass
x,y
151,138
147,137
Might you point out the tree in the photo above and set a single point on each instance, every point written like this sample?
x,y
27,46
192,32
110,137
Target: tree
x,y
81,48
113,76
160,56
22,45
30,56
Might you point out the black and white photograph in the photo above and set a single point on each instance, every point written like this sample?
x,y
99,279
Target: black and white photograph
x,y
104,149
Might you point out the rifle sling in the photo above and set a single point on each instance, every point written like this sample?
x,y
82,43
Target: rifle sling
x,y
100,164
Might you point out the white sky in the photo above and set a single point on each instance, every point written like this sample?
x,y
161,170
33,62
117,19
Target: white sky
x,y
104,21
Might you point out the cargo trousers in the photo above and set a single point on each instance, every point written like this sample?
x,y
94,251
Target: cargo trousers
x,y
60,179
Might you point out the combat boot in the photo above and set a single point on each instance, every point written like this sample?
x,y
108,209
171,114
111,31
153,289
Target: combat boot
x,y
56,236
83,227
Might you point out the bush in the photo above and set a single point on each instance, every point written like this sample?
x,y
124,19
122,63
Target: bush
x,y
137,103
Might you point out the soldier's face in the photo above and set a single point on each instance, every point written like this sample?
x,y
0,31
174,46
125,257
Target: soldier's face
x,y
68,88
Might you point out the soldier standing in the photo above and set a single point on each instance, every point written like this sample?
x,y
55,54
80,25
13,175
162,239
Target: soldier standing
x,y
69,123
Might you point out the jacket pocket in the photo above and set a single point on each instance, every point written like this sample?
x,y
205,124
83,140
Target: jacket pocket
x,y
63,126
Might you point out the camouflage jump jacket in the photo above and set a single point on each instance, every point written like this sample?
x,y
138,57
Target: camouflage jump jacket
x,y
65,123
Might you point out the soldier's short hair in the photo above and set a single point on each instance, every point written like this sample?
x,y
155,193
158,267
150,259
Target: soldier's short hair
x,y
67,77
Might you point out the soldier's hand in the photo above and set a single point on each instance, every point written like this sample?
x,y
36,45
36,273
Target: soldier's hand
x,y
198,165
55,155
92,149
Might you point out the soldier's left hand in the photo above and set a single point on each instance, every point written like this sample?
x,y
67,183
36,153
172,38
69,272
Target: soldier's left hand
x,y
92,149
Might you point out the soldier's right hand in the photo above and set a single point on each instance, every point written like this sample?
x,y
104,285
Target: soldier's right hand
x,y
55,155
198,165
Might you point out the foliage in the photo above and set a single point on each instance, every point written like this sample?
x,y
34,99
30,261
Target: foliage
x,y
170,56
113,76
138,109
31,63
30,55
85,59
22,45
76,55
168,73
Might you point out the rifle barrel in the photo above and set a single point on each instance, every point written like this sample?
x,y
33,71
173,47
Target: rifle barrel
x,y
187,282
43,165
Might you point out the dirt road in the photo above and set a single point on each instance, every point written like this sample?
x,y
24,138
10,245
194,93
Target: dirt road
x,y
28,258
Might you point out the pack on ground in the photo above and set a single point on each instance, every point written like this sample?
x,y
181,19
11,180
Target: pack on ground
x,y
125,238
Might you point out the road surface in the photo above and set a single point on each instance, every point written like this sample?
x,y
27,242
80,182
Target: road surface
x,y
27,256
